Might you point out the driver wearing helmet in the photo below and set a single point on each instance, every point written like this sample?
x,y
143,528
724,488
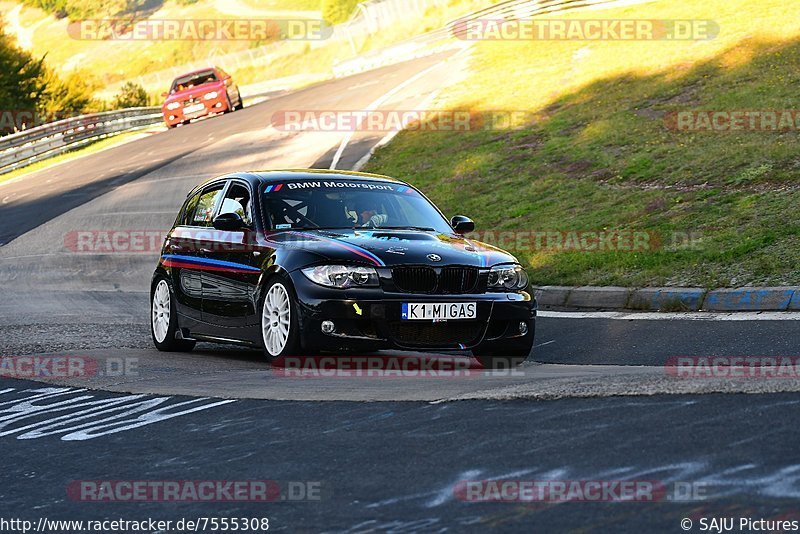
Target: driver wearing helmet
x,y
366,213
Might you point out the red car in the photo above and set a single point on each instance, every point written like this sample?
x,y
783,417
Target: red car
x,y
199,94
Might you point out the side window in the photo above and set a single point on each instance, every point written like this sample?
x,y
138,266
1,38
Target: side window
x,y
204,211
188,210
237,200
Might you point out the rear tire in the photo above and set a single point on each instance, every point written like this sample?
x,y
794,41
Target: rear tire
x,y
164,319
280,331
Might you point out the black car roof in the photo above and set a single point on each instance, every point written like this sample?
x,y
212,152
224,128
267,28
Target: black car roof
x,y
259,177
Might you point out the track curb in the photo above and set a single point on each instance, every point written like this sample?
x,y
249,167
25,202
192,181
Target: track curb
x,y
670,299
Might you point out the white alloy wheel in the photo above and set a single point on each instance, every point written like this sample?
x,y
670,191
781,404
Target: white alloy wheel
x,y
161,311
276,319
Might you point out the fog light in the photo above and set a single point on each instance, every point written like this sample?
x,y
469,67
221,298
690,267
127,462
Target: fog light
x,y
523,327
328,327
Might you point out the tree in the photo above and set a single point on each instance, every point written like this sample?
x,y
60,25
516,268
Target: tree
x,y
71,95
22,78
131,95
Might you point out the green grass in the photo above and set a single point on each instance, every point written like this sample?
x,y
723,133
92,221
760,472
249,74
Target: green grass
x,y
301,58
598,155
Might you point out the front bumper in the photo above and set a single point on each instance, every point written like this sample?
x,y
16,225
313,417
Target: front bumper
x,y
176,116
369,319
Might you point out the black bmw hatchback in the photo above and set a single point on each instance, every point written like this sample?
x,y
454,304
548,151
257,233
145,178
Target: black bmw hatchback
x,y
298,262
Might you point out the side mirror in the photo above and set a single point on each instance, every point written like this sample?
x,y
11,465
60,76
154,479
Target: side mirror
x,y
462,225
164,94
229,222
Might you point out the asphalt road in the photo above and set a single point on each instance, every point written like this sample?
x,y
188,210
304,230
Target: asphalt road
x,y
732,451
238,141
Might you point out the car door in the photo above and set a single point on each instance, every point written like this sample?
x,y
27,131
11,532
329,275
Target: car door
x,y
230,281
186,249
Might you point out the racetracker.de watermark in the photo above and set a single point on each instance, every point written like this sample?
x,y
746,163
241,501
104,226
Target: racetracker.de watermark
x,y
560,491
393,120
195,491
16,120
66,366
200,30
136,241
752,120
380,366
481,29
601,240
728,367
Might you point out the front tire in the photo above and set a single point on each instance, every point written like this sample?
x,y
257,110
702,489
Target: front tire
x,y
164,319
279,322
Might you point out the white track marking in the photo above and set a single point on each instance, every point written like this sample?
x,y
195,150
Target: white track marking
x,y
676,316
374,105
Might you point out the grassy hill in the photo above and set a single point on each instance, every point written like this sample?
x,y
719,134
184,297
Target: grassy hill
x,y
598,153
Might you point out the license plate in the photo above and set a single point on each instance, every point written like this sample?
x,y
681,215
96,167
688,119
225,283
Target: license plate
x,y
442,311
194,108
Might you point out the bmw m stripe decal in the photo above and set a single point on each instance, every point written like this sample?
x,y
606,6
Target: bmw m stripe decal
x,y
484,259
206,264
404,189
273,188
364,253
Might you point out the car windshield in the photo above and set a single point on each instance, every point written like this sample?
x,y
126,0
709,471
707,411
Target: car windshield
x,y
193,80
344,204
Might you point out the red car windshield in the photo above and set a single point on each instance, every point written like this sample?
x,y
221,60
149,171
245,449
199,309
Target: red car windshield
x,y
193,80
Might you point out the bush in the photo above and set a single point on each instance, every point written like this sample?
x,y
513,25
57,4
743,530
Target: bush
x,y
338,11
131,95
71,95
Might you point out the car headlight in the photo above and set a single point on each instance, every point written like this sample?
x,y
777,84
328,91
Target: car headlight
x,y
507,277
209,96
173,105
342,276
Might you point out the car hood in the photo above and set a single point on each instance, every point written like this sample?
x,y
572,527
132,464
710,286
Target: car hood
x,y
194,92
392,247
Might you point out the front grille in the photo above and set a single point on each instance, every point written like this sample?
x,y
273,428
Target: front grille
x,y
458,279
414,279
446,280
426,334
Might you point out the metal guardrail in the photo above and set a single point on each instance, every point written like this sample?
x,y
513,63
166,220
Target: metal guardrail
x,y
51,139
